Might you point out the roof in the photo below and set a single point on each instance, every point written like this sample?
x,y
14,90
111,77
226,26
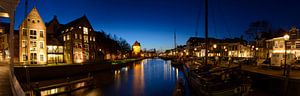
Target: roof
x,y
136,43
76,21
54,20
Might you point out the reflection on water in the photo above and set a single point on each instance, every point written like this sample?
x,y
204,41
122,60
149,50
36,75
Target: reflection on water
x,y
149,77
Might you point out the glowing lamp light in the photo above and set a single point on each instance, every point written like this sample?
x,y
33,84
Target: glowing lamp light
x,y
256,48
215,45
286,37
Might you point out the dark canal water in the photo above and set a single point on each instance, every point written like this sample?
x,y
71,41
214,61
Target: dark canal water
x,y
149,77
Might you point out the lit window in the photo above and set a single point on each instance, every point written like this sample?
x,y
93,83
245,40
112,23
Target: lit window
x,y
41,57
71,28
1,30
85,30
86,39
80,37
41,44
42,34
75,36
64,38
67,30
94,39
68,37
90,38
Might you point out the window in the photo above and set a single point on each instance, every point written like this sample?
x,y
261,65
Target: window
x,y
24,57
276,44
41,57
94,39
64,38
41,44
80,37
86,39
75,36
33,56
24,32
281,43
85,30
68,37
1,30
42,34
24,44
32,34
32,45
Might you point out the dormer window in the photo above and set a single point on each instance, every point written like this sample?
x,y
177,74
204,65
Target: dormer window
x,y
33,21
38,21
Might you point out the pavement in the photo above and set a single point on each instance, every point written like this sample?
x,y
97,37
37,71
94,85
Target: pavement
x,y
294,74
5,89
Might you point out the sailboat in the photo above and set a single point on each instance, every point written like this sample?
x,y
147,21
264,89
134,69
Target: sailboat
x,y
209,80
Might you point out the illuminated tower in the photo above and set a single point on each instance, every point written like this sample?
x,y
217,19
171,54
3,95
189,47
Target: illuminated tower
x,y
136,48
32,38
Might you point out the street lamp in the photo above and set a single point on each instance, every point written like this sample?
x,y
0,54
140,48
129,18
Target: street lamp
x,y
215,45
286,38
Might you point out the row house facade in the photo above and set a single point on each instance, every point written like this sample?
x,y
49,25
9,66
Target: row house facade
x,y
40,43
32,38
55,46
79,41
219,47
278,46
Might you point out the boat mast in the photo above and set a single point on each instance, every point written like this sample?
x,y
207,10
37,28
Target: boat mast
x,y
206,32
175,45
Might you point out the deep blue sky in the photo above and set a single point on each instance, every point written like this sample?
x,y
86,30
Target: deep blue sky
x,y
152,22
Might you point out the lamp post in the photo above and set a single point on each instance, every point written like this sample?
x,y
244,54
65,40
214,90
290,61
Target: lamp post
x,y
286,38
286,74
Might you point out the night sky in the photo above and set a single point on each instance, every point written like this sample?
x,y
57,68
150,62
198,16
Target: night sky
x,y
152,22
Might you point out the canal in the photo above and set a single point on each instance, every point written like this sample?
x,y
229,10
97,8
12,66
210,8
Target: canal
x,y
149,77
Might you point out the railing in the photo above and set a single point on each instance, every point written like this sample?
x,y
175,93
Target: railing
x,y
15,85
